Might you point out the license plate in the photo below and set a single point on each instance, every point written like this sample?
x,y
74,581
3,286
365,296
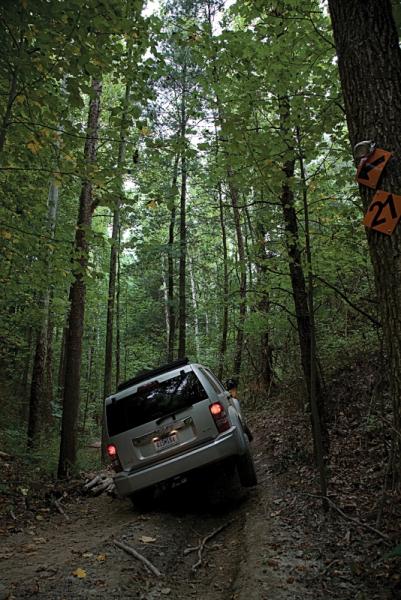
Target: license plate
x,y
166,442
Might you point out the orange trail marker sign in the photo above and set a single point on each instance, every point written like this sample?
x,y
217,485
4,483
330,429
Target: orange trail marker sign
x,y
384,212
371,167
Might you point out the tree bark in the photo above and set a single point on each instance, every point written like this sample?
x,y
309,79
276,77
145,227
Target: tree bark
x,y
224,326
369,62
7,113
299,291
314,399
170,266
40,393
195,308
266,353
239,343
118,313
182,308
114,251
73,351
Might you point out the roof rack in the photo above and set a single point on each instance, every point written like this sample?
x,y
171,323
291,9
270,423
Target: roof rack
x,y
147,374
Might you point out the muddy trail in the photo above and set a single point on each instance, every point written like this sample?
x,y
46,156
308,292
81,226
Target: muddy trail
x,y
269,543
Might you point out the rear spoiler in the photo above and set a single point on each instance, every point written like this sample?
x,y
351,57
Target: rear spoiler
x,y
143,375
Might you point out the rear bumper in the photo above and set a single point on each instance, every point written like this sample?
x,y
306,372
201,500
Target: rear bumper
x,y
226,445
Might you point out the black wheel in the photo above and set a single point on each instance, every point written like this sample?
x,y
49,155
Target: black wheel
x,y
143,499
246,470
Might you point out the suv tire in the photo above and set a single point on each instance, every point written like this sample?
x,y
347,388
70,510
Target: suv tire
x,y
246,470
143,499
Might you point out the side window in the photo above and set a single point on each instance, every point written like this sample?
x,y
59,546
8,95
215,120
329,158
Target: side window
x,y
213,382
218,384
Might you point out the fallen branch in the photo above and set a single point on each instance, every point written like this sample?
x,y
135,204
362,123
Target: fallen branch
x,y
202,544
61,510
138,556
333,562
90,484
99,484
382,535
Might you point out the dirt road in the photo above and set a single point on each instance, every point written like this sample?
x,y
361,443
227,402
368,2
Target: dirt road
x,y
53,558
274,543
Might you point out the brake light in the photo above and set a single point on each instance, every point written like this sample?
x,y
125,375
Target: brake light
x,y
111,450
216,409
220,416
115,461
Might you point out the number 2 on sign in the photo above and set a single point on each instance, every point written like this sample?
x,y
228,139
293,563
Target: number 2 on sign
x,y
380,207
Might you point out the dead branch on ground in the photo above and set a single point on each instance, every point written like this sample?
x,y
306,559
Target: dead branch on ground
x,y
138,556
382,535
202,544
61,510
102,482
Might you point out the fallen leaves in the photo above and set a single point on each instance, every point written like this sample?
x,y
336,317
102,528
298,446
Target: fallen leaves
x,y
146,539
80,573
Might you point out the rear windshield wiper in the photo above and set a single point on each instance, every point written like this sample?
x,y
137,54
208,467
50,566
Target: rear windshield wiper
x,y
171,414
166,416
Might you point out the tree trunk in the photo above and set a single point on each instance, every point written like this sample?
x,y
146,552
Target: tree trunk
x,y
108,362
224,326
182,308
73,351
118,313
170,263
234,195
302,310
39,391
61,367
195,308
25,387
316,415
266,353
369,62
7,113
91,352
298,284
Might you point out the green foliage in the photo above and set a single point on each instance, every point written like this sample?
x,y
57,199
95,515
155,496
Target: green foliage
x,y
238,72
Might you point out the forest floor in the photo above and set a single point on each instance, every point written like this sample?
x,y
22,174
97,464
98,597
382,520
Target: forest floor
x,y
275,543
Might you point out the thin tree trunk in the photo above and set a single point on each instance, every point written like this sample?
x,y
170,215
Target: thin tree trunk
x,y
118,313
71,396
25,387
299,291
88,382
170,263
7,113
108,363
48,408
114,252
195,307
165,297
234,195
182,308
39,391
224,326
263,306
314,399
61,367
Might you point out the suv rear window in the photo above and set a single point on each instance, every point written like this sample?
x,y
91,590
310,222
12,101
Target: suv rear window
x,y
152,401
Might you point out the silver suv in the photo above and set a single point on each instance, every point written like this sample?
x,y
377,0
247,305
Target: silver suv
x,y
165,423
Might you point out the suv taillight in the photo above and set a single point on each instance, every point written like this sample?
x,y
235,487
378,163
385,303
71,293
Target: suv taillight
x,y
115,461
220,416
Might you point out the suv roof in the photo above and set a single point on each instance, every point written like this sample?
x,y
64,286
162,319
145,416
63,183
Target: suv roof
x,y
149,373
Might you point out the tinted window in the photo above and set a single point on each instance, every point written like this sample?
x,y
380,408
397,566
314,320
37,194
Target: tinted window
x,y
218,384
153,401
